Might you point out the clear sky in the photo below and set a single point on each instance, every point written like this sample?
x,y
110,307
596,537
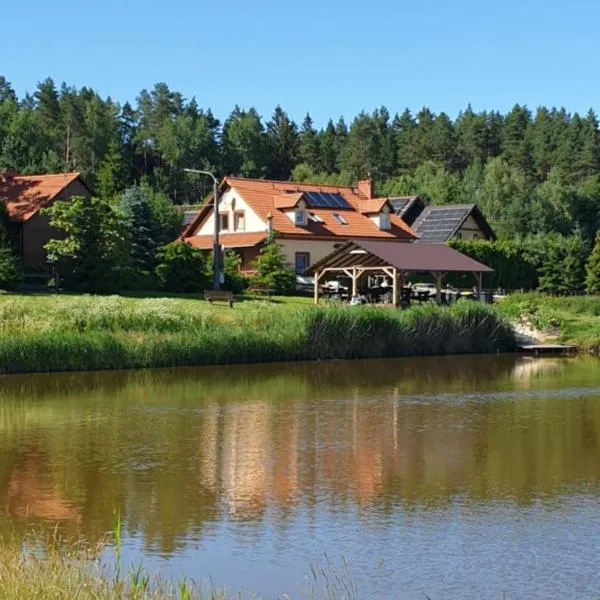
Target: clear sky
x,y
329,57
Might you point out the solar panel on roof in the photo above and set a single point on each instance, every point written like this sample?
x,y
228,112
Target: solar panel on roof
x,y
436,226
326,200
399,205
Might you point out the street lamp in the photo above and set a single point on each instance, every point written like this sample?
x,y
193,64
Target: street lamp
x,y
216,243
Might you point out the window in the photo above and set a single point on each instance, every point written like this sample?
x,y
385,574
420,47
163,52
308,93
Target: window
x,y
224,221
340,219
239,221
459,236
300,217
384,220
315,218
302,261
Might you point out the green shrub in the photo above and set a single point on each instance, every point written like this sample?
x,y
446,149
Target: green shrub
x,y
593,269
181,268
272,271
234,281
10,273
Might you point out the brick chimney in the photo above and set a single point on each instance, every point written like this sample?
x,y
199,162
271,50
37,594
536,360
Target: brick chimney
x,y
366,187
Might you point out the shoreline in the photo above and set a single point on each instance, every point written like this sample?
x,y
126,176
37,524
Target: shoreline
x,y
90,333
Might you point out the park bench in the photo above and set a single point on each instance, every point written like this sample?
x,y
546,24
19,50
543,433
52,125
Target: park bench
x,y
219,296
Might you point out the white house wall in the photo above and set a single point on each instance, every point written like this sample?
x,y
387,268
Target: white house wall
x,y
253,222
317,249
470,230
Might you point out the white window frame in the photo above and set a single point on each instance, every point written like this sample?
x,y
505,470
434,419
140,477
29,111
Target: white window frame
x,y
305,255
236,214
300,217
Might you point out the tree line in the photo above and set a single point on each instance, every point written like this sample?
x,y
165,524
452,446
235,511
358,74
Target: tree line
x,y
530,171
535,174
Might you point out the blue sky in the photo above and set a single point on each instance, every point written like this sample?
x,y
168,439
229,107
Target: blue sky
x,y
329,57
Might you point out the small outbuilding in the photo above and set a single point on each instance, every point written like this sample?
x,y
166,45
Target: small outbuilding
x,y
357,258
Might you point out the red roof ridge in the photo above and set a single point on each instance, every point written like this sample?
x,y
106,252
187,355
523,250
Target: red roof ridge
x,y
297,184
43,176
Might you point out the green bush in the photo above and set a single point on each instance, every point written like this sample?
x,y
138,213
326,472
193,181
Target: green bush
x,y
513,268
592,279
552,263
234,281
10,273
272,271
181,268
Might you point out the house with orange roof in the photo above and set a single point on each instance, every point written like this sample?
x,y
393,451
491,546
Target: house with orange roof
x,y
310,220
24,196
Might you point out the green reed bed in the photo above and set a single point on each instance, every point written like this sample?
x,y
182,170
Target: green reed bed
x,y
70,333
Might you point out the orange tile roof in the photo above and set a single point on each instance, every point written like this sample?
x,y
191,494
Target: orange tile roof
x,y
228,240
372,206
25,195
287,200
261,195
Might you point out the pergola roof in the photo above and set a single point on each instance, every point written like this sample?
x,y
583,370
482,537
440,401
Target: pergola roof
x,y
401,255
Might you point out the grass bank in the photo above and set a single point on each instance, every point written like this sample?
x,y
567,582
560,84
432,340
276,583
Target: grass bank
x,y
72,333
573,320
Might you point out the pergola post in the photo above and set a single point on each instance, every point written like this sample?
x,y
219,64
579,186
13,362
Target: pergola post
x,y
354,283
400,286
395,288
479,276
438,276
316,290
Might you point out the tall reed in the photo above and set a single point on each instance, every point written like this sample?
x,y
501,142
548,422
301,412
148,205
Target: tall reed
x,y
88,333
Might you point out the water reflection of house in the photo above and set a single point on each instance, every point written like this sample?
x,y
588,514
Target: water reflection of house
x,y
245,459
285,449
31,493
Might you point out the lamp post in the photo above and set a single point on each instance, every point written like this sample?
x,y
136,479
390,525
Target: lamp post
x,y
216,243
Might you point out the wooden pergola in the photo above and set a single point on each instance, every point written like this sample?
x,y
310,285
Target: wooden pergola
x,y
395,259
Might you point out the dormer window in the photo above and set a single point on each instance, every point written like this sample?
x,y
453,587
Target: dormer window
x,y
300,216
384,220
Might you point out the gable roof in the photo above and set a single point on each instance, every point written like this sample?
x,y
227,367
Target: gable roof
x,y
372,206
416,258
25,195
266,198
439,224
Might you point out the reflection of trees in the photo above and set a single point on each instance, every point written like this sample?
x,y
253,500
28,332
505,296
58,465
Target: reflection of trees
x,y
175,450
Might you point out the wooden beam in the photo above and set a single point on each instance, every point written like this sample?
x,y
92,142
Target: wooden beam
x,y
438,276
400,286
395,288
354,283
317,276
479,277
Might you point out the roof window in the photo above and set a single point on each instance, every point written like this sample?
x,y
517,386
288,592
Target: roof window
x,y
340,219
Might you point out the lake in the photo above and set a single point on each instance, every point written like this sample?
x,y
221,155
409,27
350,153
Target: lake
x,y
456,477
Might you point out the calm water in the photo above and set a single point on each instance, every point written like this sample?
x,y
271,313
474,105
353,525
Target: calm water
x,y
456,477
